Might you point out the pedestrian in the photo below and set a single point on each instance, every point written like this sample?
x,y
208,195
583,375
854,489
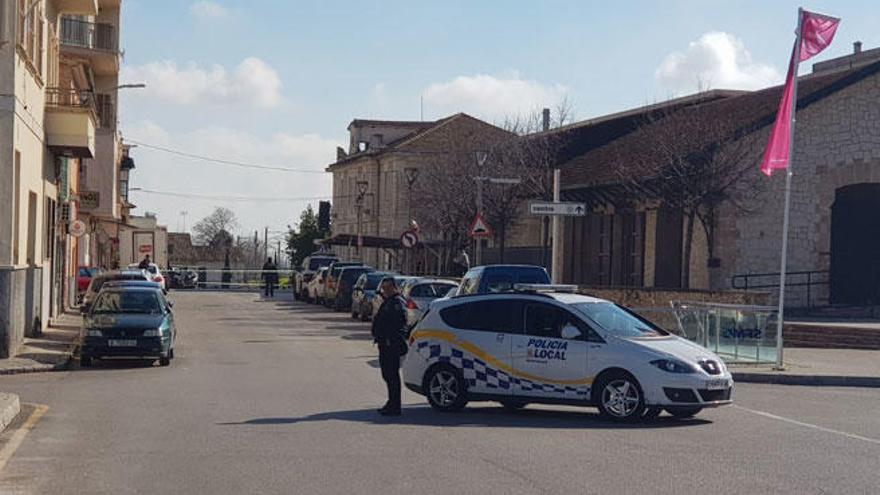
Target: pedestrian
x,y
388,332
462,263
270,278
145,263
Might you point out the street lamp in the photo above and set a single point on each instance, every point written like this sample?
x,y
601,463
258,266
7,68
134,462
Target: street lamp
x,y
411,174
362,187
130,86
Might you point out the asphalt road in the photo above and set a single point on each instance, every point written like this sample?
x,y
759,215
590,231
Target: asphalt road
x,y
280,397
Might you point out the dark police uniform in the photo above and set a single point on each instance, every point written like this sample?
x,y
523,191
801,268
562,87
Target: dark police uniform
x,y
387,332
270,278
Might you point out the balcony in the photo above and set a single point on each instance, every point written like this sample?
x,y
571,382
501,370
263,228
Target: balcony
x,y
97,42
78,7
70,122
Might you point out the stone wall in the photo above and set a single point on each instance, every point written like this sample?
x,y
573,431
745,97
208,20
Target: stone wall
x,y
660,298
837,143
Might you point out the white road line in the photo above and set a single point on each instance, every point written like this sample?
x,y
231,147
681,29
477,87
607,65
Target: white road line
x,y
808,425
18,437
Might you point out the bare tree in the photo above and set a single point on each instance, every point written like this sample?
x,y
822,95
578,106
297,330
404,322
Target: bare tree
x,y
216,229
693,159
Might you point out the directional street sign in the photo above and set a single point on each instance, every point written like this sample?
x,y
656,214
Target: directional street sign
x,y
480,228
563,209
409,239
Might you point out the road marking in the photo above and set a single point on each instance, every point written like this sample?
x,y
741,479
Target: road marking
x,y
18,437
808,425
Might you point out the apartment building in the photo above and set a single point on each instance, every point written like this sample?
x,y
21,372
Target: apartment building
x,y
59,66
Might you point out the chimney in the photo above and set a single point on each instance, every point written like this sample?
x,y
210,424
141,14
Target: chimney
x,y
857,47
340,153
546,119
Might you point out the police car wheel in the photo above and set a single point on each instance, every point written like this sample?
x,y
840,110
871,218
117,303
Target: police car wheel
x,y
683,412
444,386
620,397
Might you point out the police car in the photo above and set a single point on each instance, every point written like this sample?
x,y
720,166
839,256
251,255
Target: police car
x,y
545,344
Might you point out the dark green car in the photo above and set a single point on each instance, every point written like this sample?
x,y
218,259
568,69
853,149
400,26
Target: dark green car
x,y
129,321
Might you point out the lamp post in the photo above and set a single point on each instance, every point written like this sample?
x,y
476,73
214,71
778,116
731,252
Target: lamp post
x,y
481,157
411,174
362,186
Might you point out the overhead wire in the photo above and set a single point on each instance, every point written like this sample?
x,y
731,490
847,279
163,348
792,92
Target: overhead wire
x,y
229,198
223,161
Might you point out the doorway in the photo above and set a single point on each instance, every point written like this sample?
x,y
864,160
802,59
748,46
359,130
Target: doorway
x,y
855,245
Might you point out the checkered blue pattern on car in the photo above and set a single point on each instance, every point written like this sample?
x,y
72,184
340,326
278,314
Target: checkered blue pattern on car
x,y
477,372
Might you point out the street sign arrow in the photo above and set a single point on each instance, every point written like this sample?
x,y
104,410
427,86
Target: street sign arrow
x,y
562,209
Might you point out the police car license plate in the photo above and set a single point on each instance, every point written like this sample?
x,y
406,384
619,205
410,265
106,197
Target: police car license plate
x,y
122,343
717,384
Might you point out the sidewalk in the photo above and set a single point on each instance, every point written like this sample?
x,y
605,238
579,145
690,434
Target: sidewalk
x,y
51,351
818,367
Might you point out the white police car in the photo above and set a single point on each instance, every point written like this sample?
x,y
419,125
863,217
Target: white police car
x,y
540,344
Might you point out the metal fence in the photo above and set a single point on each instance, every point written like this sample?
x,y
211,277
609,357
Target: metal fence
x,y
739,334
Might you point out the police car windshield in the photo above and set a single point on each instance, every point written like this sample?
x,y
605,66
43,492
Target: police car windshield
x,y
618,321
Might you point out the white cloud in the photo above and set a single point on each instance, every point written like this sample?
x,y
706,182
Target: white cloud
x,y
301,151
206,10
716,60
253,81
491,97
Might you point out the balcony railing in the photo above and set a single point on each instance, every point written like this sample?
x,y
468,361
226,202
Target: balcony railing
x,y
91,35
71,98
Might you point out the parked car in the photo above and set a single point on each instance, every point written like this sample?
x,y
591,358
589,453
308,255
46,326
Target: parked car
x,y
348,276
181,278
331,279
419,293
307,271
129,322
556,347
363,293
131,283
153,273
98,282
84,275
399,280
500,278
316,286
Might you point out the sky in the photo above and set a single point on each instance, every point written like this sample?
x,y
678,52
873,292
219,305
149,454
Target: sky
x,y
275,83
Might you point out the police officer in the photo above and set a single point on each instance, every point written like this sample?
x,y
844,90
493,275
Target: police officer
x,y
388,327
270,278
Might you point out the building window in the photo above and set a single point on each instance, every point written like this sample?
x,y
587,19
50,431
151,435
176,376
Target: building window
x,y
30,34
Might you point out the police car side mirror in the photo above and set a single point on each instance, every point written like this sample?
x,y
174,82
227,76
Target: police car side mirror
x,y
570,332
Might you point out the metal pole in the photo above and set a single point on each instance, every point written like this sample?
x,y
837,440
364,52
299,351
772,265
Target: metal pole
x,y
795,61
479,249
557,231
266,243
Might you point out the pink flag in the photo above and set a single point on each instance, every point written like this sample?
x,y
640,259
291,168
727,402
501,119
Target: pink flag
x,y
816,33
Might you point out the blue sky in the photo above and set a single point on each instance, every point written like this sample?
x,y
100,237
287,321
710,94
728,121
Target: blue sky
x,y
277,82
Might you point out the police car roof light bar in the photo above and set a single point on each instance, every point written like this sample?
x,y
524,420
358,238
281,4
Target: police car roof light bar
x,y
545,288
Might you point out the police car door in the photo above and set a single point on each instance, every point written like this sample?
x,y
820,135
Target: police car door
x,y
550,365
484,331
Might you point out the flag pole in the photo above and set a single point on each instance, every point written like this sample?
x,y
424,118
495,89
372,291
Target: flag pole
x,y
788,173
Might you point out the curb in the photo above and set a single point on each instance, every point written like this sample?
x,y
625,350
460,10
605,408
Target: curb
x,y
9,409
62,365
808,380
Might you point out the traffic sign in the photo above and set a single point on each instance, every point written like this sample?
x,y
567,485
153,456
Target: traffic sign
x,y
77,228
564,209
409,239
480,228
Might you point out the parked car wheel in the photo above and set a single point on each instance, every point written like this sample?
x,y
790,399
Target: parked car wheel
x,y
165,361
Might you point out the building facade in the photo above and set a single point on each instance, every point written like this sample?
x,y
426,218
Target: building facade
x,y
49,121
376,184
834,236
